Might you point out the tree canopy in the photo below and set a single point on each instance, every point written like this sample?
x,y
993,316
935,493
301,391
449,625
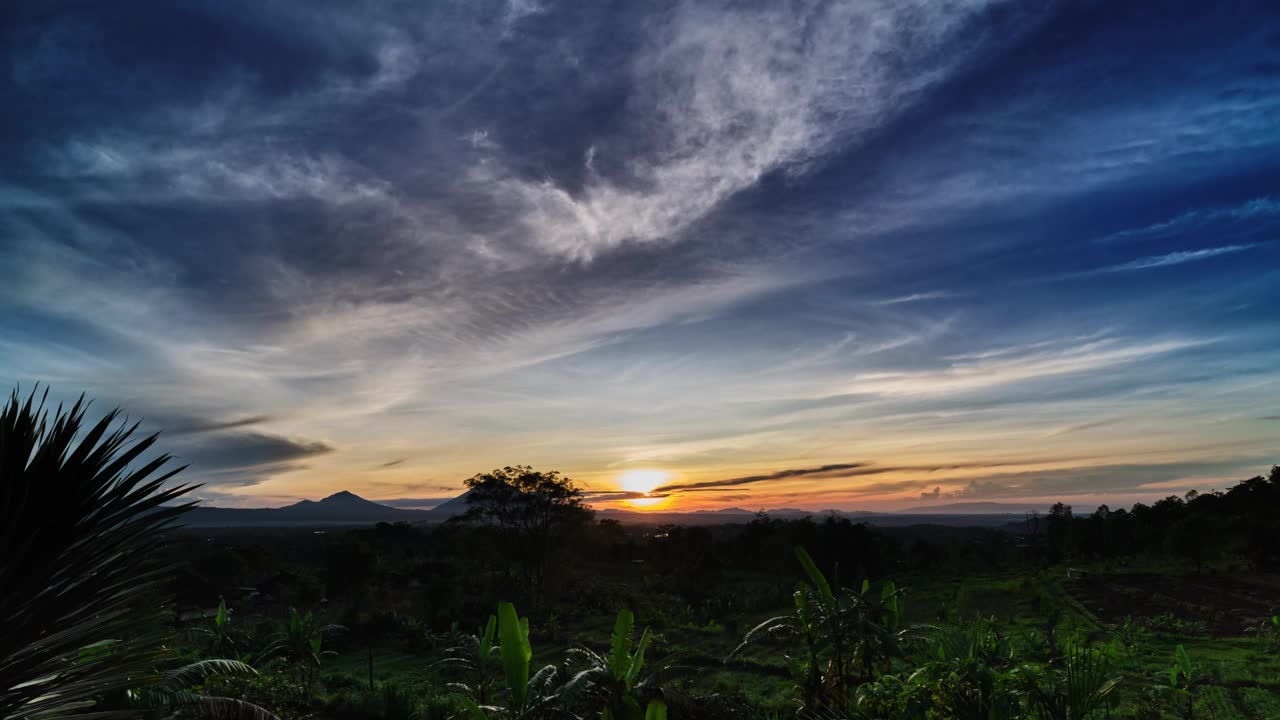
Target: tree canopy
x,y
529,510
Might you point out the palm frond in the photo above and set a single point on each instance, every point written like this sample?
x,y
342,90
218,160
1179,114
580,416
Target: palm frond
x,y
80,514
196,672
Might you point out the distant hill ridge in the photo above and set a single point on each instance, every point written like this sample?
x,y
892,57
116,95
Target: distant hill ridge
x,y
349,509
340,508
978,508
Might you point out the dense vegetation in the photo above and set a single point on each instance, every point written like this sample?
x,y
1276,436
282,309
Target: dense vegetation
x,y
1159,611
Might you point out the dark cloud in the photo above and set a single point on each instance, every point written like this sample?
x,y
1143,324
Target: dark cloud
x,y
244,458
393,463
195,426
838,470
609,495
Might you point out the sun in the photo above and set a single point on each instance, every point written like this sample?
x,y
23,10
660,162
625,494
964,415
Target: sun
x,y
644,481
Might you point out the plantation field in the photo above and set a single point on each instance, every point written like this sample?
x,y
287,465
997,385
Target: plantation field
x,y
1236,674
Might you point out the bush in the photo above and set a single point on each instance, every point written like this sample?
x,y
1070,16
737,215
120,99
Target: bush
x,y
1173,625
389,701
279,692
340,681
437,707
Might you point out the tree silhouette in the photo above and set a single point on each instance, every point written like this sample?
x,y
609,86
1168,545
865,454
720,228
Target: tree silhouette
x,y
530,511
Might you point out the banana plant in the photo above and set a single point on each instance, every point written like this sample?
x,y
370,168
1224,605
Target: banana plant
x,y
890,606
840,632
475,659
872,622
615,680
803,624
1182,680
302,644
527,696
219,635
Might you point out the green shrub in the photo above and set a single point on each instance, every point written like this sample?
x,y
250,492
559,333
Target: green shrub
x,y
279,692
340,681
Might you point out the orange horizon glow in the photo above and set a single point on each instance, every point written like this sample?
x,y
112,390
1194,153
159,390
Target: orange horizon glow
x,y
906,482
644,481
649,503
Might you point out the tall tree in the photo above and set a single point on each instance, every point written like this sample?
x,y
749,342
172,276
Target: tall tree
x,y
530,510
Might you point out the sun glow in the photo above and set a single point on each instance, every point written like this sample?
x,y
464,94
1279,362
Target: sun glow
x,y
644,481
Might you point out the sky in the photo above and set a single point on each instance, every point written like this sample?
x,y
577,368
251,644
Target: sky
x,y
858,255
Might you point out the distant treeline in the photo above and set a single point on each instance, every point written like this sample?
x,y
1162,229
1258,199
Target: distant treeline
x,y
1198,527
441,573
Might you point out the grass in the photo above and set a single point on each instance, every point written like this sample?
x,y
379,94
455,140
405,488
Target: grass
x,y
389,664
1259,703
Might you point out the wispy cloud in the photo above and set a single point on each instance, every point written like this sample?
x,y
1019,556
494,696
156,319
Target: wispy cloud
x,y
1253,211
965,376
727,95
1081,427
1174,258
917,297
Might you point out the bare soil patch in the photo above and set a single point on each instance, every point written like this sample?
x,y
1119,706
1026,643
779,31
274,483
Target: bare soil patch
x,y
1226,604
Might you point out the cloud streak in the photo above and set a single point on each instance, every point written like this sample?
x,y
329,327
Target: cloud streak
x,y
1174,258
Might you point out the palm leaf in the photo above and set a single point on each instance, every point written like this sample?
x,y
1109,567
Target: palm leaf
x,y
196,672
775,625
80,516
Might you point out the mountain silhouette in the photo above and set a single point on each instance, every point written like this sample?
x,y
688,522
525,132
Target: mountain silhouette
x,y
340,508
339,502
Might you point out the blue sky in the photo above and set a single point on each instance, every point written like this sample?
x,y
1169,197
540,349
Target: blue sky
x,y
859,255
